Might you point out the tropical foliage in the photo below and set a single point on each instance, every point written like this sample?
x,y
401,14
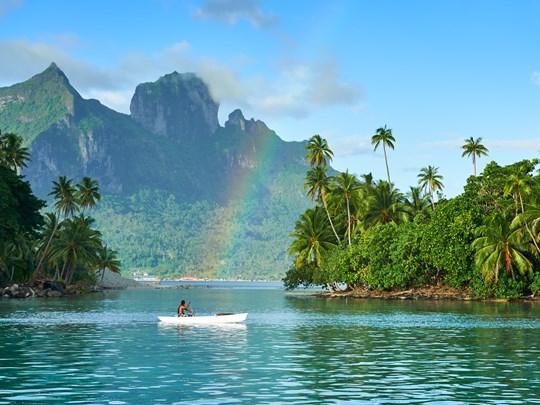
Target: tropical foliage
x,y
60,245
483,242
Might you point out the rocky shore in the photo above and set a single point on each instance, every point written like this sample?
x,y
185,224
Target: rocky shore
x,y
55,289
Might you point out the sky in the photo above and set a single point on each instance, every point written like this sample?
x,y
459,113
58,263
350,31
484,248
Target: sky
x,y
436,72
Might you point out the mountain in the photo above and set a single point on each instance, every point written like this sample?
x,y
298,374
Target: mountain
x,y
240,182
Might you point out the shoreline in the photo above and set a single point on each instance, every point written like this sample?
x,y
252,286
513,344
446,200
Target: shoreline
x,y
418,294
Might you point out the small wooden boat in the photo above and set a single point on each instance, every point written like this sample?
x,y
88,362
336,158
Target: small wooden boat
x,y
212,319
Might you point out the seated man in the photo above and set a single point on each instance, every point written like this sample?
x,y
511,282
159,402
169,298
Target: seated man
x,y
183,309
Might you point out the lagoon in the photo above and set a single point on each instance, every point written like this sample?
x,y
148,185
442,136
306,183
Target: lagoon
x,y
294,348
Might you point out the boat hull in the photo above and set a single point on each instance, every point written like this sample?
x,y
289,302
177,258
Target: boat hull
x,y
213,319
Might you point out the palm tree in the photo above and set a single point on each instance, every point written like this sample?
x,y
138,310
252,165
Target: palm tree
x,y
12,153
75,245
416,202
430,181
107,259
498,247
317,183
312,239
385,206
384,136
344,188
87,193
319,153
65,194
474,148
518,184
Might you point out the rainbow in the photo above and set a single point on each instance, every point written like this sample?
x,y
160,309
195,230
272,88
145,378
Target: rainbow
x,y
242,193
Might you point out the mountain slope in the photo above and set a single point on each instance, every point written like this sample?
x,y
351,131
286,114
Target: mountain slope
x,y
241,183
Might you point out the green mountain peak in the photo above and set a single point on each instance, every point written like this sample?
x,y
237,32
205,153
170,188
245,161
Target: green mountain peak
x,y
29,108
176,179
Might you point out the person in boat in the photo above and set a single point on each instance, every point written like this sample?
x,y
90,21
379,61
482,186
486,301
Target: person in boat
x,y
183,309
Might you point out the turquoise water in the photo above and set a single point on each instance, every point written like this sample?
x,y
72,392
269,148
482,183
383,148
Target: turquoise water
x,y
110,349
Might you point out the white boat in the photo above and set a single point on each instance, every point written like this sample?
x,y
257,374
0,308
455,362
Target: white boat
x,y
146,278
211,319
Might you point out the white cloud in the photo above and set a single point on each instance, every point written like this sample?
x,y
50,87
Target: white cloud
x,y
298,90
516,144
352,146
117,100
232,11
328,89
445,144
301,88
223,82
179,48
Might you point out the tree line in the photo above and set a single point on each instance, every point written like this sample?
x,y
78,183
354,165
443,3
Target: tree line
x,y
62,245
365,233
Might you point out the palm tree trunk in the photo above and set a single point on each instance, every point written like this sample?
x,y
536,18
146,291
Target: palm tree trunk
x,y
348,221
37,272
387,169
69,274
527,225
330,219
432,200
474,163
63,270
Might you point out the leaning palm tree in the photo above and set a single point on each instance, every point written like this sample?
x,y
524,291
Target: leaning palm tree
x,y
498,246
319,154
87,193
318,186
384,136
107,259
312,239
474,148
344,188
430,181
76,245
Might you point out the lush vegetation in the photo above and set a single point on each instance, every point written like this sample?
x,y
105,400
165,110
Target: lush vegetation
x,y
63,245
366,234
156,232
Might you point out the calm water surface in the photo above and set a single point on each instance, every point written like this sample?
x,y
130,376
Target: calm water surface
x,y
111,349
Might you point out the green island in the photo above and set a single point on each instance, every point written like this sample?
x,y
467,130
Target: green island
x,y
366,238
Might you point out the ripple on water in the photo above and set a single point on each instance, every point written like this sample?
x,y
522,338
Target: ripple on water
x,y
282,354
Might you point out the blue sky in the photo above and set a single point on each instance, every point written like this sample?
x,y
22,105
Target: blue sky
x,y
434,71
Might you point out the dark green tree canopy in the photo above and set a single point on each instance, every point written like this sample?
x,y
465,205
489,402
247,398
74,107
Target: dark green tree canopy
x,y
19,208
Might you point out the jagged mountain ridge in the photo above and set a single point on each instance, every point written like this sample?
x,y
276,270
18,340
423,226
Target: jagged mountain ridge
x,y
172,140
182,195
